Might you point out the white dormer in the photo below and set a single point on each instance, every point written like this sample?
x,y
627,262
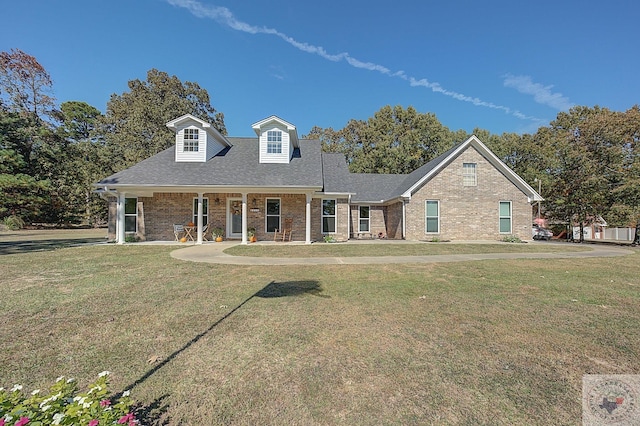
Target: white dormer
x,y
278,139
196,140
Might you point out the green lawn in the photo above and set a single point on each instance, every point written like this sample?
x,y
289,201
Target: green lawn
x,y
388,248
486,342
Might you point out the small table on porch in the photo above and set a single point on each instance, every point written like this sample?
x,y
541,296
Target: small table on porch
x,y
189,231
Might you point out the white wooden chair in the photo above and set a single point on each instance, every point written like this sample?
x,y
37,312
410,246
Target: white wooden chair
x,y
178,231
205,230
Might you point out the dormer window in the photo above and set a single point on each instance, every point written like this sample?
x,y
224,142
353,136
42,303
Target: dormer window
x,y
274,142
190,140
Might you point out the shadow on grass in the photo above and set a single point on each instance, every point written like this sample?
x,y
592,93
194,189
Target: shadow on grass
x,y
271,290
154,413
17,247
291,288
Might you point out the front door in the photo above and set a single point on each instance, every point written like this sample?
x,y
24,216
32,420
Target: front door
x,y
234,218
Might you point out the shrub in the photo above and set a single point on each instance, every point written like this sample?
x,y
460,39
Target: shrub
x,y
329,239
511,239
13,222
63,405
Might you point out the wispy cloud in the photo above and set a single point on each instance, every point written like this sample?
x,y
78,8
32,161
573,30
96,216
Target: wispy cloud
x,y
541,94
224,16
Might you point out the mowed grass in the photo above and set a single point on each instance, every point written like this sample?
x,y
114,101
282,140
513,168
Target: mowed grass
x,y
487,342
388,248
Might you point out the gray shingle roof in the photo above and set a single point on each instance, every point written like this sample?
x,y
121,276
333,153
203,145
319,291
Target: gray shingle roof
x,y
335,173
236,166
239,166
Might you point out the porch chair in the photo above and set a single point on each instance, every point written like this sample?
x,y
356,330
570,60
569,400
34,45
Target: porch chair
x,y
178,231
205,230
284,234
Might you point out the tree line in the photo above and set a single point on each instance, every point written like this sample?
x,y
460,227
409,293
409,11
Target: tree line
x,y
586,161
50,155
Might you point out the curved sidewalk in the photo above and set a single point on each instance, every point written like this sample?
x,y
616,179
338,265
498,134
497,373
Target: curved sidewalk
x,y
213,253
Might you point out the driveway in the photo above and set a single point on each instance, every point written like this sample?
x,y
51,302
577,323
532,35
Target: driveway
x,y
213,253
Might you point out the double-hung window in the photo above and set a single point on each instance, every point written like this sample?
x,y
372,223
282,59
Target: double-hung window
x,y
205,211
363,219
505,217
328,216
432,217
190,140
273,214
274,142
469,176
130,215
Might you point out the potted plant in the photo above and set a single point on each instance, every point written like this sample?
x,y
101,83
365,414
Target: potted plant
x,y
217,233
251,233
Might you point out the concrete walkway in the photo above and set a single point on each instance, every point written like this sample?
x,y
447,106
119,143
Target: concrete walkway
x,y
213,253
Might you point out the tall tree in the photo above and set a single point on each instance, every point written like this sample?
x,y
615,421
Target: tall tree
x,y
21,194
26,83
134,124
394,140
625,209
73,160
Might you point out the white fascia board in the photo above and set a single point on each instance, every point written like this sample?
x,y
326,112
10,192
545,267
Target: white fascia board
x,y
321,194
150,189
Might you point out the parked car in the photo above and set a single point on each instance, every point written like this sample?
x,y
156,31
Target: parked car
x,y
540,233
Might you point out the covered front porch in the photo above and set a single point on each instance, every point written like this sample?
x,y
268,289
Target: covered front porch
x,y
144,216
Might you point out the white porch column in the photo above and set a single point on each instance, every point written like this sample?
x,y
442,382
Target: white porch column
x,y
308,220
404,219
120,218
244,218
199,219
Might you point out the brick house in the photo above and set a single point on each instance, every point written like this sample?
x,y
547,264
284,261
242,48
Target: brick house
x,y
235,184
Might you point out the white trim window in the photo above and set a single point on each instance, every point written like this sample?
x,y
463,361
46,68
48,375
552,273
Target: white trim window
x,y
272,214
205,210
505,217
469,175
190,140
364,220
432,217
274,142
329,216
130,215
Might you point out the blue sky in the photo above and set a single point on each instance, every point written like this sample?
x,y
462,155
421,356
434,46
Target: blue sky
x,y
503,66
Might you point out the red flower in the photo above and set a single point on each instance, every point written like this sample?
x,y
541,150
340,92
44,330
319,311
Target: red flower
x,y
1,421
127,418
94,422
105,403
23,421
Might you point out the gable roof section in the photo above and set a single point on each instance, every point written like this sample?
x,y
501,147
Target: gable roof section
x,y
336,177
234,167
291,129
374,188
176,122
422,175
